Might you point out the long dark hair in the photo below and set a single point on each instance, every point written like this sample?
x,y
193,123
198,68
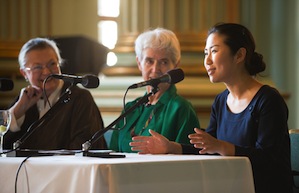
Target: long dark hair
x,y
238,36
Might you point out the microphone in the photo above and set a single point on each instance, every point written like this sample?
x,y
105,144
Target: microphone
x,y
65,98
6,84
88,81
172,77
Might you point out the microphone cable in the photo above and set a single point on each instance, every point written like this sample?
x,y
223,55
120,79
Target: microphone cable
x,y
64,98
26,174
143,100
29,128
45,92
124,107
124,111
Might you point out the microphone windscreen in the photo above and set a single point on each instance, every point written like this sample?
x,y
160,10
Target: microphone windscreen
x,y
6,84
176,75
90,81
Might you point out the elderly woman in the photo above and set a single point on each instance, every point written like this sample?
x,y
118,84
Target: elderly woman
x,y
157,52
70,125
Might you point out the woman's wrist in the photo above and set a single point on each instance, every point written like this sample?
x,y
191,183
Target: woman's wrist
x,y
174,148
226,148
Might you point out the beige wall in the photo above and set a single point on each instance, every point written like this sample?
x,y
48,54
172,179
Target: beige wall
x,y
74,17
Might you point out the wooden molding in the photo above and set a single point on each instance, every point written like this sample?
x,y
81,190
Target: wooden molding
x,y
190,42
189,70
10,49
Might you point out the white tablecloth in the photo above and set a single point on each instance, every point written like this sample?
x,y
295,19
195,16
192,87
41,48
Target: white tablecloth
x,y
135,173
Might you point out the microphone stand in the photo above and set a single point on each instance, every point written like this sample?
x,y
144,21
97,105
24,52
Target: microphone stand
x,y
65,98
87,145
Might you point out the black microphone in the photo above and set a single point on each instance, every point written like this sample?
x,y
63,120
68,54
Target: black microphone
x,y
88,81
172,77
6,84
64,98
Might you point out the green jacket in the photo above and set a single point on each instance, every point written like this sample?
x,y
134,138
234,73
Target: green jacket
x,y
173,117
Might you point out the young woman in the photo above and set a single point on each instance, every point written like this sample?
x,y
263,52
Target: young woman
x,y
247,119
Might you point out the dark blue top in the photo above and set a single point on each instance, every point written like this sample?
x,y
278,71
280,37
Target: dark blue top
x,y
260,132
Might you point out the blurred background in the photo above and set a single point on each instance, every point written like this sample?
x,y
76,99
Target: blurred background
x,y
97,37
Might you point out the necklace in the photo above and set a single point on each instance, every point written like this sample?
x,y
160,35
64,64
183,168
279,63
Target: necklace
x,y
147,122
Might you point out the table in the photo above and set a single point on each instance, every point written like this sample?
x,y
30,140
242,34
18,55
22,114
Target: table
x,y
135,173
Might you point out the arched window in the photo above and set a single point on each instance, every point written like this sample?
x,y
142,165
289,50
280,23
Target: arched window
x,y
108,12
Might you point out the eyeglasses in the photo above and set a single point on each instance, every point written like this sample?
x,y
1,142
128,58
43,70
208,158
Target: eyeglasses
x,y
39,68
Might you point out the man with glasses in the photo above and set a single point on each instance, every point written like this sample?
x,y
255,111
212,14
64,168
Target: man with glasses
x,y
70,125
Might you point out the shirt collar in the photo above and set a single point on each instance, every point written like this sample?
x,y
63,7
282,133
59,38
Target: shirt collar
x,y
53,98
166,96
